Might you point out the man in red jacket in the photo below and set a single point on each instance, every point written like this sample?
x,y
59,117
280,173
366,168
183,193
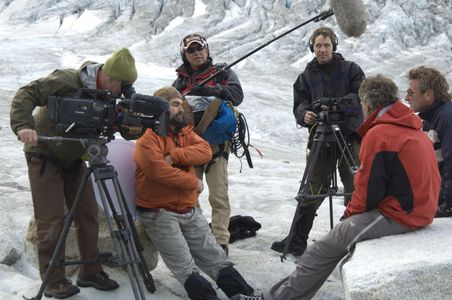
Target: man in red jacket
x,y
166,194
396,189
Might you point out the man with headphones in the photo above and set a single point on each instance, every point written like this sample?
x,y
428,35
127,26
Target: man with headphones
x,y
328,75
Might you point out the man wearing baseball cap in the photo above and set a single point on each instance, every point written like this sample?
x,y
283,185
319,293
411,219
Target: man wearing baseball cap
x,y
197,66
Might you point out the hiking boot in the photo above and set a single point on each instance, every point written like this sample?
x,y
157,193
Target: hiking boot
x,y
61,289
296,247
244,297
231,282
100,281
198,287
301,233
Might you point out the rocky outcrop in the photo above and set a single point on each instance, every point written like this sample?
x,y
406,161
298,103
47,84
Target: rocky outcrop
x,y
409,266
9,253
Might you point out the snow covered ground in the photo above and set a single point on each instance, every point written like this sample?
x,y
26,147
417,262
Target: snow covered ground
x,y
39,36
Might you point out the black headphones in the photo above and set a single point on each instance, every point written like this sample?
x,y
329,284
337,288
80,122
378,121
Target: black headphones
x,y
320,31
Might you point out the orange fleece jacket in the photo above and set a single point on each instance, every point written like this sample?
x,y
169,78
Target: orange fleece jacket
x,y
159,185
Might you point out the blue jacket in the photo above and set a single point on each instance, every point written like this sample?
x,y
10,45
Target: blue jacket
x,y
438,124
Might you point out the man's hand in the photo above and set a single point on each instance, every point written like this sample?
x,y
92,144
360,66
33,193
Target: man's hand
x,y
133,130
199,90
200,186
28,136
168,160
309,117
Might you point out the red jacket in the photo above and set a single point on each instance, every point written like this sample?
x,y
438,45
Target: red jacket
x,y
159,185
398,174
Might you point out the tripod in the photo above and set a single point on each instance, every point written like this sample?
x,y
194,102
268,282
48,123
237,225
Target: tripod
x,y
125,238
326,136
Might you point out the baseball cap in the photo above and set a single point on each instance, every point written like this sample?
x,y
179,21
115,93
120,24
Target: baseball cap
x,y
190,39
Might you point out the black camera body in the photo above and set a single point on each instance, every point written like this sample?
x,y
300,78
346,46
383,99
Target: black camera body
x,y
336,114
94,113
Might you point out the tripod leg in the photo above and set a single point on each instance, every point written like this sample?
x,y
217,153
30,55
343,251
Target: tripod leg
x,y
302,193
131,243
347,170
63,234
330,198
145,273
122,238
345,151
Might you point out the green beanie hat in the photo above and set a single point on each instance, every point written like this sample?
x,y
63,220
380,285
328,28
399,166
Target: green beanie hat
x,y
121,66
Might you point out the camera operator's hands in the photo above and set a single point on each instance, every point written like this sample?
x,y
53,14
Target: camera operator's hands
x,y
309,117
199,90
28,136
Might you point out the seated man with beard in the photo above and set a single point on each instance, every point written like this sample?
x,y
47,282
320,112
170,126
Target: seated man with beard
x,y
166,194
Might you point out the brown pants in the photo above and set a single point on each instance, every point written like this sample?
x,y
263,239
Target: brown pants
x,y
53,189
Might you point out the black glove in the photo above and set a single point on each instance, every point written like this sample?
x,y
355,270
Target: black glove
x,y
203,90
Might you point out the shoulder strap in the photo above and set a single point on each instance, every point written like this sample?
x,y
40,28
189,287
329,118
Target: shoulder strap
x,y
208,116
188,113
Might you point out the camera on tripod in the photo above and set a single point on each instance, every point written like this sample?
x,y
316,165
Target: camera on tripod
x,y
92,113
336,114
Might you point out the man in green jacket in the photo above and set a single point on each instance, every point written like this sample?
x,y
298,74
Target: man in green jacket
x,y
55,170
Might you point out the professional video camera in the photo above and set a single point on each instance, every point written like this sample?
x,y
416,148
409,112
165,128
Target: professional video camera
x,y
92,113
336,113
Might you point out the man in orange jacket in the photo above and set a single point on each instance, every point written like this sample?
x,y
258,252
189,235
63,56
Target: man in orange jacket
x,y
166,194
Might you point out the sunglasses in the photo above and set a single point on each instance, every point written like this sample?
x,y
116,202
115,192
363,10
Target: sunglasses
x,y
195,49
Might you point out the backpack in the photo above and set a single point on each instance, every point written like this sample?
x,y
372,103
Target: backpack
x,y
222,127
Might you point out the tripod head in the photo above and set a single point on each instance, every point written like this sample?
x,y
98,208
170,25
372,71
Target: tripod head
x,y
326,133
96,148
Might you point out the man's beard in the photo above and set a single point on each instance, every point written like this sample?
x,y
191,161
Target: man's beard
x,y
178,123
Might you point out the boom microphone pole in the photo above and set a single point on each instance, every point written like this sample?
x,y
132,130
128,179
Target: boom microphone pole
x,y
350,15
320,17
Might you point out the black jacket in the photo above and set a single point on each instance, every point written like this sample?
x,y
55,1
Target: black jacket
x,y
186,78
438,124
339,78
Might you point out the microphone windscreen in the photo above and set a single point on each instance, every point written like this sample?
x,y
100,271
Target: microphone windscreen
x,y
350,15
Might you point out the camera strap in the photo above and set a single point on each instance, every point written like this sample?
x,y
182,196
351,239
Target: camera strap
x,y
74,166
43,159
